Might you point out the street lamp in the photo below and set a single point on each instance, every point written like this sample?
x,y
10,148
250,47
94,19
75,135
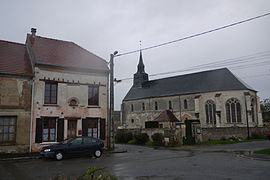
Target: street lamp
x,y
111,120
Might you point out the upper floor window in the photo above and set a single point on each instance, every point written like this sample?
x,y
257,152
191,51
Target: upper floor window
x,y
132,107
93,93
7,129
170,104
233,110
50,93
143,106
185,104
156,105
210,111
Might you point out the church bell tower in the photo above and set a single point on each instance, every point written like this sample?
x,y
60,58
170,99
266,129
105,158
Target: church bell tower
x,y
140,76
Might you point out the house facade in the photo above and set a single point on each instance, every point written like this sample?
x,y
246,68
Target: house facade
x,y
69,90
15,98
216,97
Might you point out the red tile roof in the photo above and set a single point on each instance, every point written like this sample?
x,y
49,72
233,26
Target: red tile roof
x,y
66,54
14,59
166,116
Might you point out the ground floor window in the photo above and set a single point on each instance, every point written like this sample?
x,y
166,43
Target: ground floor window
x,y
49,129
7,129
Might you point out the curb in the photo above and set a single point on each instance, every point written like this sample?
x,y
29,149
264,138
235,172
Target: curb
x,y
253,158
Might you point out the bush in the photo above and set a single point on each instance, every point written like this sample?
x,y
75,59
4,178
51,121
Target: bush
x,y
158,139
123,137
133,141
141,138
149,143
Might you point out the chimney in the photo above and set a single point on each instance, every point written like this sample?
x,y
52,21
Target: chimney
x,y
33,32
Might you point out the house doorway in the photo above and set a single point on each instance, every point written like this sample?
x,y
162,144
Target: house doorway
x,y
72,128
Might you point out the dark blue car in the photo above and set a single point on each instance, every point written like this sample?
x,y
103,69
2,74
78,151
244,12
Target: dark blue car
x,y
76,146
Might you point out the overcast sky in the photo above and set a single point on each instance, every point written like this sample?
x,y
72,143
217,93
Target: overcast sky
x,y
103,26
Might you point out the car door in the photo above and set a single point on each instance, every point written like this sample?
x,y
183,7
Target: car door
x,y
89,145
75,147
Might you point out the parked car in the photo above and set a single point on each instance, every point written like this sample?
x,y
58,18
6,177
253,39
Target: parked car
x,y
76,146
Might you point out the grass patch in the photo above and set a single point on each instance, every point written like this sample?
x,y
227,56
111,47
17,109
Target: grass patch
x,y
228,141
263,151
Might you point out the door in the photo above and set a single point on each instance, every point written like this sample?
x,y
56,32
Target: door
x,y
72,128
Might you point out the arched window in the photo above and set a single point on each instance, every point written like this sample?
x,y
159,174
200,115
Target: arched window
x,y
185,104
210,111
132,107
170,104
233,111
143,106
156,105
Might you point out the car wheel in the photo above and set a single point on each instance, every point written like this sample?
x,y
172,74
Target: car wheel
x,y
98,153
59,156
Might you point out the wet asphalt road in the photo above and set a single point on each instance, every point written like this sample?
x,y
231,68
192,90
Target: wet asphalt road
x,y
145,163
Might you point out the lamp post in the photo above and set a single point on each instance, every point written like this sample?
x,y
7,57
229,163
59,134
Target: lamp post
x,y
111,120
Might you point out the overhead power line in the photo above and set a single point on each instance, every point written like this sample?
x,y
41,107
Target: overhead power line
x,y
195,35
252,60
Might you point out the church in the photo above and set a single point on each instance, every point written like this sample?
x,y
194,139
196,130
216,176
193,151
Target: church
x,y
217,98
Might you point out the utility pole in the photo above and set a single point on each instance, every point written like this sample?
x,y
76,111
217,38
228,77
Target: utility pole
x,y
111,120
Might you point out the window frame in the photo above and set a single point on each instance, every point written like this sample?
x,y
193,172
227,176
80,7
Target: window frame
x,y
170,105
210,112
49,119
156,105
185,104
91,91
233,111
2,141
50,92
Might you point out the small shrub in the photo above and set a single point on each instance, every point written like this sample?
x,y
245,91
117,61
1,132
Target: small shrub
x,y
133,141
141,138
149,143
158,139
123,137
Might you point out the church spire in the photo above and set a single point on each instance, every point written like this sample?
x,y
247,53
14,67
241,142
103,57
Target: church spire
x,y
140,66
140,77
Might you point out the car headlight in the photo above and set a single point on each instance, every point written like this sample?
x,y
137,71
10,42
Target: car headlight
x,y
47,150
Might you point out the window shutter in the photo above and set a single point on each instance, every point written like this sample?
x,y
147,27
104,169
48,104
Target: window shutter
x,y
38,130
84,127
102,129
60,130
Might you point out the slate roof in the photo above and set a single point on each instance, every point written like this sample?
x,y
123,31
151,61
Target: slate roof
x,y
201,82
166,116
14,59
65,54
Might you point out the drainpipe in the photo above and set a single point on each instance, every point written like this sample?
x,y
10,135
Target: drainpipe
x,y
32,114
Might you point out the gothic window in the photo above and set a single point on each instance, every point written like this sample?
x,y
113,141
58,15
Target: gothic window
x,y
143,106
185,104
156,106
210,111
233,111
50,95
170,104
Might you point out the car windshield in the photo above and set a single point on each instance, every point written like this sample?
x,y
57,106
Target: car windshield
x,y
66,141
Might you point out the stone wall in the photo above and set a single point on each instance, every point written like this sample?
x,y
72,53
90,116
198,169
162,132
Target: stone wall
x,y
15,101
227,132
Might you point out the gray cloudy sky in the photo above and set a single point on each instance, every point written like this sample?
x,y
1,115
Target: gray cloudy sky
x,y
103,26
